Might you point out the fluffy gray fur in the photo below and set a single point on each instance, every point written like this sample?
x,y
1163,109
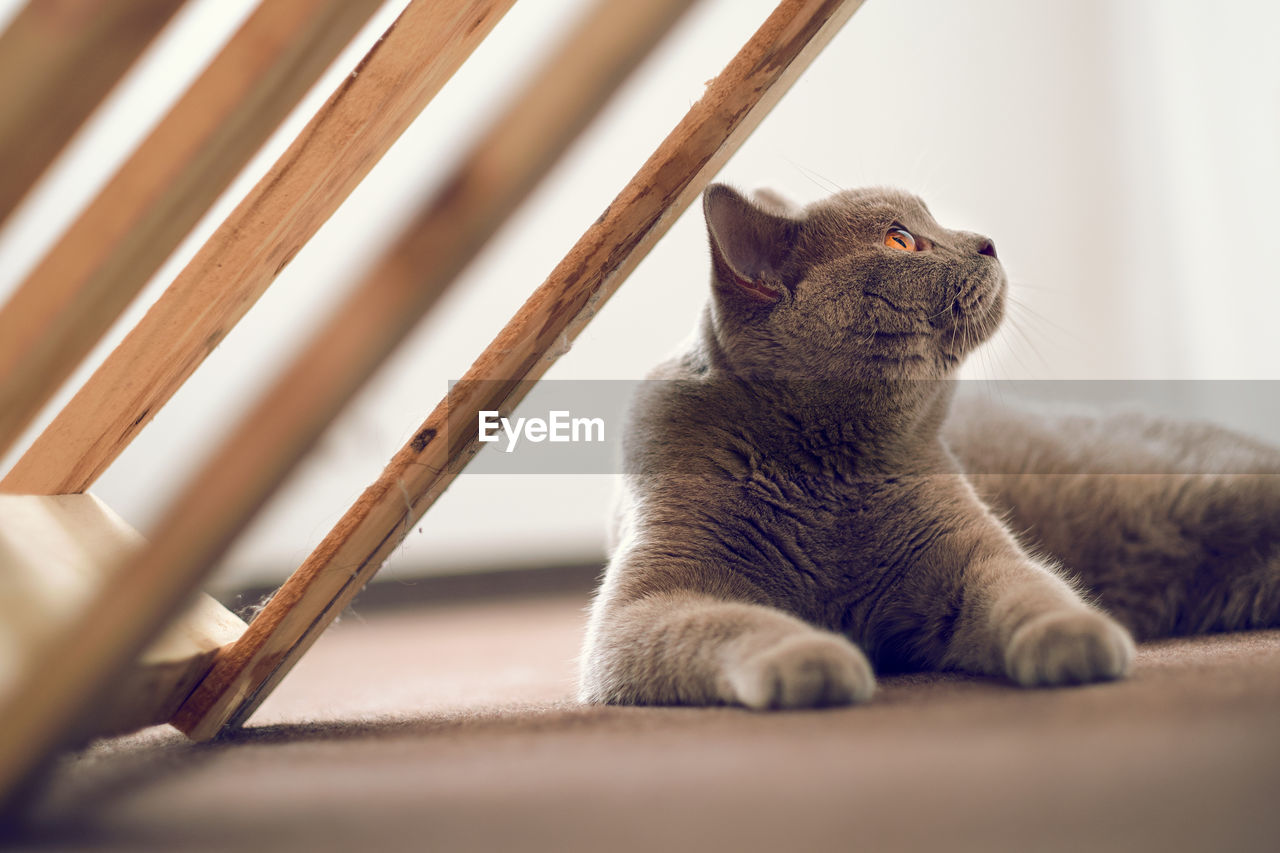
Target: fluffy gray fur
x,y
796,508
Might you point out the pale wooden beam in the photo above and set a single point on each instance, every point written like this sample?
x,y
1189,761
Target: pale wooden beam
x,y
333,153
56,553
499,172
58,61
734,103
80,287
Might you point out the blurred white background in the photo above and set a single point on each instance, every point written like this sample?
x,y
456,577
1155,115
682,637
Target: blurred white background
x,y
1123,154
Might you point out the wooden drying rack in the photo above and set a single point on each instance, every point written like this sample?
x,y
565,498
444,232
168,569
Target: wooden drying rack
x,y
106,663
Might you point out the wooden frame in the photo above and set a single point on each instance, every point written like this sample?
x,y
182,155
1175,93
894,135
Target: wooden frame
x,y
80,287
81,664
76,671
734,103
68,57
56,553
411,62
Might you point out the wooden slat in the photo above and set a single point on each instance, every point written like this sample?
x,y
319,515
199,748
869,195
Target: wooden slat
x,y
329,158
219,501
734,103
56,553
58,61
151,689
80,287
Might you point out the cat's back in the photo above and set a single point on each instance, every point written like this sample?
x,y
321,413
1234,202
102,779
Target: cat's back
x,y
991,438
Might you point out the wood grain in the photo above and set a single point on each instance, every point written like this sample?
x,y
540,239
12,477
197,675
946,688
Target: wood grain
x,y
734,103
80,287
59,60
344,140
499,172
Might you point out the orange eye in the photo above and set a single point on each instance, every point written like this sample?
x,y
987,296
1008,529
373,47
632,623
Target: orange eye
x,y
900,239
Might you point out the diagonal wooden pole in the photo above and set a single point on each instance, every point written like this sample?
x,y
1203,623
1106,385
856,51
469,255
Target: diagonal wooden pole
x,y
502,168
734,103
58,61
85,281
339,146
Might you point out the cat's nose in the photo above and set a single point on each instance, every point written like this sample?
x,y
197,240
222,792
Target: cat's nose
x,y
986,247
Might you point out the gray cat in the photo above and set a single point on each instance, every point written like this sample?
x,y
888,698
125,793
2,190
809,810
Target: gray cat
x,y
795,507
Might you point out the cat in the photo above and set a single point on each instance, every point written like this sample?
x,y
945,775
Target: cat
x,y
1173,527
796,514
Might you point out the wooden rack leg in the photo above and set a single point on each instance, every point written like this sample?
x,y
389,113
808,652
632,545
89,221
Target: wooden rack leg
x,y
344,140
501,170
56,552
734,103
58,61
80,287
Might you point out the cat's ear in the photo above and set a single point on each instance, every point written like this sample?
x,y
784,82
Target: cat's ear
x,y
748,242
774,202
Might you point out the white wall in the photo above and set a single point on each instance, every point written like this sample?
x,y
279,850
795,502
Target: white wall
x,y
1123,156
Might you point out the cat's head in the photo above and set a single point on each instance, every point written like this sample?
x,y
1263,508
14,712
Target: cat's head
x,y
864,284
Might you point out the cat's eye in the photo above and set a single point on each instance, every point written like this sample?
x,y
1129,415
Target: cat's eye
x,y
901,239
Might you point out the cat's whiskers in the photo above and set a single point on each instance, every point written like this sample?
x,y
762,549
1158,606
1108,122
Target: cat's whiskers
x,y
816,178
951,308
915,176
992,367
1026,307
1033,330
929,319
1016,339
987,362
1013,329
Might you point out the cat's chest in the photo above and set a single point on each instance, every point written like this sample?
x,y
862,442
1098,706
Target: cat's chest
x,y
816,549
837,522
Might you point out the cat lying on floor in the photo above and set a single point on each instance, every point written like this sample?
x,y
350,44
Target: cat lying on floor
x,y
795,508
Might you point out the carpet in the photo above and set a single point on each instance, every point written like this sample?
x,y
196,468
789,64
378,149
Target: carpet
x,y
453,727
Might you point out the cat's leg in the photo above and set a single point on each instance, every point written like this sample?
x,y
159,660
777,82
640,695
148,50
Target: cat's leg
x,y
1192,544
1022,620
981,604
693,649
973,599
1164,554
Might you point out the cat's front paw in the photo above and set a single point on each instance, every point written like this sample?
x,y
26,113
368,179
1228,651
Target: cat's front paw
x,y
1069,647
803,671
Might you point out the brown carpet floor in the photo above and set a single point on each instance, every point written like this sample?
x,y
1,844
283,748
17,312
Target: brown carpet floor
x,y
453,728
